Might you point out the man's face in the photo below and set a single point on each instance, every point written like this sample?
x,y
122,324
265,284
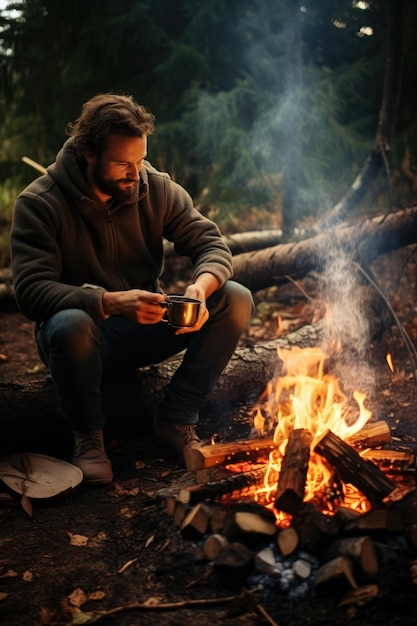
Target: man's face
x,y
115,173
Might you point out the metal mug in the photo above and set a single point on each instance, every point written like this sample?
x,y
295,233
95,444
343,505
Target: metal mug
x,y
181,312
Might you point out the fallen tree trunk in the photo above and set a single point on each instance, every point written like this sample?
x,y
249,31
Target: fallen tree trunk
x,y
28,419
362,242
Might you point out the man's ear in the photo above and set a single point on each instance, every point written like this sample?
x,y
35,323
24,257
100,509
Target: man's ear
x,y
89,156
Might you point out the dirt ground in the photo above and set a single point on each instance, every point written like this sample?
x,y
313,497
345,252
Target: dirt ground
x,y
133,566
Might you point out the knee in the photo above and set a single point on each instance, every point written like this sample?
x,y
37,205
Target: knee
x,y
72,331
239,302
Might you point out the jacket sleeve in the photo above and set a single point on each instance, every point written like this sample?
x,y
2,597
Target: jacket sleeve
x,y
196,236
37,266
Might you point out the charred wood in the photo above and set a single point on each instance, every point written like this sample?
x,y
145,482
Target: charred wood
x,y
351,468
294,467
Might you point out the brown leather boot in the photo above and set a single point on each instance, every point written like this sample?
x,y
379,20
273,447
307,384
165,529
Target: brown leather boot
x,y
90,457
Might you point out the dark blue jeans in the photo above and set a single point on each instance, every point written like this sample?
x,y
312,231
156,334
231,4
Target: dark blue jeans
x,y
80,351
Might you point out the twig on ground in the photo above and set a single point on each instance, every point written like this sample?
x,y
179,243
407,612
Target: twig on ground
x,y
92,617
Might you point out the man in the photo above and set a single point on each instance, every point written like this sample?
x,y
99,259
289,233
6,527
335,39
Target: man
x,y
87,255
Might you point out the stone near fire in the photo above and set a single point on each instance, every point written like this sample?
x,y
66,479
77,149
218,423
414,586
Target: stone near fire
x,y
265,563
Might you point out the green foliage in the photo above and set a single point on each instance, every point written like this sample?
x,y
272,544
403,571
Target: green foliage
x,y
8,193
266,105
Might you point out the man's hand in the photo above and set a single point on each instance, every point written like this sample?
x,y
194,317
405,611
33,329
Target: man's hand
x,y
138,305
204,286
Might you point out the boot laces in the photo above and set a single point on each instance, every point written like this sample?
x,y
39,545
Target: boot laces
x,y
186,432
87,441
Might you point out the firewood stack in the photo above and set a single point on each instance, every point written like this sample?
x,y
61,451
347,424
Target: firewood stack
x,y
291,543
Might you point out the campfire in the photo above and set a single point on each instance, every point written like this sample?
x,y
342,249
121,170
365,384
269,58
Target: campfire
x,y
302,498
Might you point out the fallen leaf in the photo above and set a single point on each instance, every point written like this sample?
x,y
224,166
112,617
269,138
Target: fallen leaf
x,y
3,596
97,595
26,505
4,357
27,576
77,540
77,598
10,573
150,540
139,465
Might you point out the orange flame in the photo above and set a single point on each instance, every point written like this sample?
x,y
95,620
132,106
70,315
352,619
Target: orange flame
x,y
306,396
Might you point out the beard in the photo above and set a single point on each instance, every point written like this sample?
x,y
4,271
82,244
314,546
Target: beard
x,y
116,188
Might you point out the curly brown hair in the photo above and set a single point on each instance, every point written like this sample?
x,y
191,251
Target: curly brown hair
x,y
106,114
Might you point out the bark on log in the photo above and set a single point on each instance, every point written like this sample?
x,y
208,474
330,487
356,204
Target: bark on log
x,y
353,469
293,474
253,450
363,242
234,486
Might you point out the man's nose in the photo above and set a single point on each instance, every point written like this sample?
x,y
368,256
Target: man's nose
x,y
132,171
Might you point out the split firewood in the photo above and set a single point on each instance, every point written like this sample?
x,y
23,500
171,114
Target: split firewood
x,y
287,541
345,515
371,435
293,474
218,516
234,564
249,523
250,450
213,545
351,468
360,549
180,514
236,485
315,530
196,522
379,519
341,567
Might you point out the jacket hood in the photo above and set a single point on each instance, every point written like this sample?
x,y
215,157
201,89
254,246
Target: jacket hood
x,y
68,172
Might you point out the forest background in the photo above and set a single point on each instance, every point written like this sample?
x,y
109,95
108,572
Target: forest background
x,y
265,109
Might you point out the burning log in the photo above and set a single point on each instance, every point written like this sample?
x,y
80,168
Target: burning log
x,y
392,461
250,450
234,486
371,435
351,468
253,450
293,472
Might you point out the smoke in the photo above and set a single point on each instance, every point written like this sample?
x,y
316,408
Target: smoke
x,y
346,334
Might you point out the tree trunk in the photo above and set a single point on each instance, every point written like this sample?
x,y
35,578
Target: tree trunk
x,y
386,122
362,242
